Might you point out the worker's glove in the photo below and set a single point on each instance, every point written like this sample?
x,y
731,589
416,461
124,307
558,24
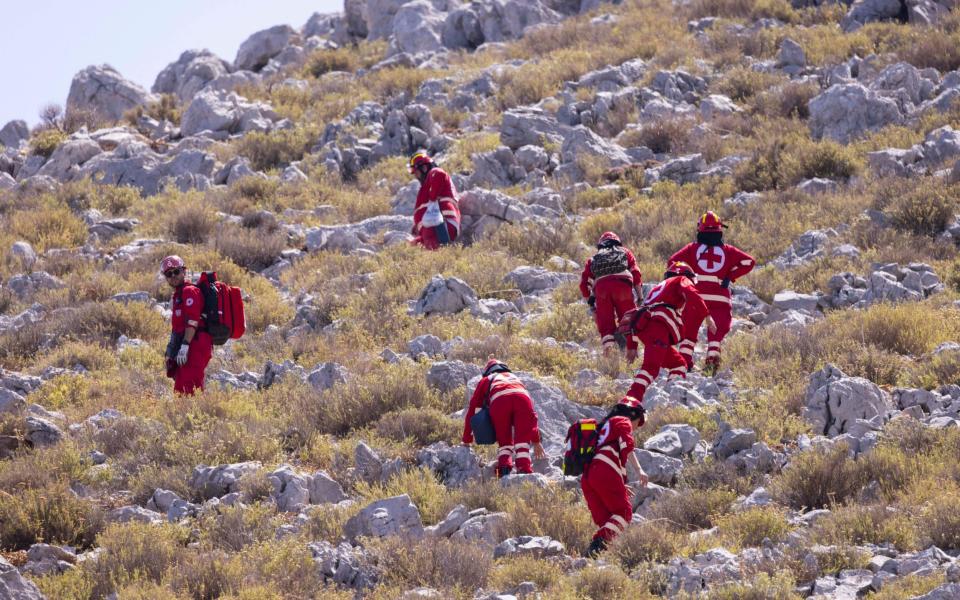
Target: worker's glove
x,y
592,301
182,354
725,283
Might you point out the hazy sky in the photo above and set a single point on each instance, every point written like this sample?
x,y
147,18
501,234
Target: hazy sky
x,y
44,43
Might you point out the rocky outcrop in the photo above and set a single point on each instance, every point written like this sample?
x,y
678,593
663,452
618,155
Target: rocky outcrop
x,y
105,93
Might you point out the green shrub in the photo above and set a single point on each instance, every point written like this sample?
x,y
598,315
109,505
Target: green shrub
x,y
134,551
442,564
818,478
274,149
924,211
778,586
53,515
874,524
191,223
691,510
607,583
643,542
661,136
253,249
750,527
45,142
48,227
423,426
327,60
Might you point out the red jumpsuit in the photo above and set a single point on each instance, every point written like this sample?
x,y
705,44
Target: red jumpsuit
x,y
604,481
437,186
187,306
614,297
712,264
668,305
514,420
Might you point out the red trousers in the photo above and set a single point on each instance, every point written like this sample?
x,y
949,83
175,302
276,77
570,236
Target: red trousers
x,y
515,423
607,498
189,376
428,237
722,314
658,353
614,297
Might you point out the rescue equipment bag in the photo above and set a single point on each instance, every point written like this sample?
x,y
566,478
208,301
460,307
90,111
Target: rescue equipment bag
x,y
222,308
432,216
580,446
482,426
609,261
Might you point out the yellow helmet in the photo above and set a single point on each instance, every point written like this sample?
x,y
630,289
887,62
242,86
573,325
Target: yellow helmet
x,y
420,158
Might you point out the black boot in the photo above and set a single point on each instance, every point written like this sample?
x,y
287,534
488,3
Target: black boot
x,y
597,546
503,472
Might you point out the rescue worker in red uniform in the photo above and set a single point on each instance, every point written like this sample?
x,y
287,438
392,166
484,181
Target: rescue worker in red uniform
x,y
435,186
605,477
608,282
659,325
190,346
717,265
513,416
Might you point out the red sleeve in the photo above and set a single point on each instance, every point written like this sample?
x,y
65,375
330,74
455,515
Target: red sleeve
x,y
694,308
586,283
192,305
741,263
441,185
535,433
476,401
634,271
623,431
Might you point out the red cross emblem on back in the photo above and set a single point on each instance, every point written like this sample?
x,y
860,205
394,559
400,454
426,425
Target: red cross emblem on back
x,y
710,258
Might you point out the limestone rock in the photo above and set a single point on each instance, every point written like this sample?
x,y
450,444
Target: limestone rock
x,y
257,50
103,91
445,296
834,401
845,112
392,516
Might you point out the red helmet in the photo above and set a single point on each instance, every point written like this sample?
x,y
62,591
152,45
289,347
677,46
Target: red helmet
x,y
494,366
678,267
420,158
630,402
171,262
609,236
709,222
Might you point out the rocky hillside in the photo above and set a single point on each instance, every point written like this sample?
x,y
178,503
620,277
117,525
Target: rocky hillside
x,y
323,459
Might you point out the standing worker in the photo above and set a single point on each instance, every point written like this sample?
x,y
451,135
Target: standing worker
x,y
608,282
658,325
513,416
190,346
436,216
605,477
717,265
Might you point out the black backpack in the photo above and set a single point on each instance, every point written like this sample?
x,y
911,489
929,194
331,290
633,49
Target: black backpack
x,y
212,309
609,261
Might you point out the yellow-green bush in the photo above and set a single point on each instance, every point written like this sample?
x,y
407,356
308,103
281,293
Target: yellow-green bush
x,y
45,142
52,515
750,527
818,479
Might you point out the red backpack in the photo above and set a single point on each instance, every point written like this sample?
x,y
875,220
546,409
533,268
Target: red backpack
x,y
581,446
222,308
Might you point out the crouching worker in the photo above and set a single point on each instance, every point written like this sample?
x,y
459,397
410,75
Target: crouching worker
x,y
190,346
671,305
436,216
514,419
604,480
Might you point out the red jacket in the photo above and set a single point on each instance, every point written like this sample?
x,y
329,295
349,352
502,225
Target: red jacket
x,y
631,275
187,306
615,445
496,386
673,302
712,265
437,186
